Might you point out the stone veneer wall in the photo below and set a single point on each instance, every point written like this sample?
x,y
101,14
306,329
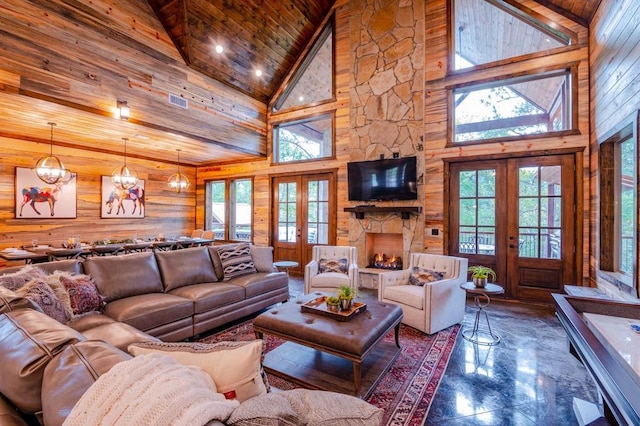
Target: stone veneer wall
x,y
387,105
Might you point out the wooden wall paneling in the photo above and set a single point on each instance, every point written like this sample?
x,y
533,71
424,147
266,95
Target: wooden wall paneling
x,y
166,211
614,37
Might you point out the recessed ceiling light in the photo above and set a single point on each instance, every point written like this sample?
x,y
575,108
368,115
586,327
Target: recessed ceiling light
x,y
258,73
219,49
301,98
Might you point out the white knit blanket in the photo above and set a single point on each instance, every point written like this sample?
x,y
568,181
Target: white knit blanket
x,y
151,389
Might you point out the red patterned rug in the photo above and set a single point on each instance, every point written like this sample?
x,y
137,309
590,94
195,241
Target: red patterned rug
x,y
406,391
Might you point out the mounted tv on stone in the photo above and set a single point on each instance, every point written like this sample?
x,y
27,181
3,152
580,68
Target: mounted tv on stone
x,y
383,180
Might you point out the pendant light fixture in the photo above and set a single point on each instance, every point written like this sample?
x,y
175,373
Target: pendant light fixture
x,y
50,169
178,182
123,177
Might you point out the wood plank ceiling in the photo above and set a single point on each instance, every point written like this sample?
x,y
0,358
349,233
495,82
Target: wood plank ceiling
x,y
255,35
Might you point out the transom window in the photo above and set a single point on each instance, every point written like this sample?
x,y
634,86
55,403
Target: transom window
x,y
511,108
229,209
303,140
488,31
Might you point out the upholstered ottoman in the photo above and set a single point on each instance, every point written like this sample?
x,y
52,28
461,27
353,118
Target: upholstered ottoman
x,y
324,353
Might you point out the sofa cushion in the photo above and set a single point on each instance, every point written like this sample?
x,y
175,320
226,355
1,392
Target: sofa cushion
x,y
89,320
306,407
421,276
235,367
82,291
148,311
68,376
261,283
29,340
19,278
236,260
118,334
333,265
209,296
118,277
262,258
10,301
185,267
40,292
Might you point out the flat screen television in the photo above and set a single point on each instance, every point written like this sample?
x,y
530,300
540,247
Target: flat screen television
x,y
382,180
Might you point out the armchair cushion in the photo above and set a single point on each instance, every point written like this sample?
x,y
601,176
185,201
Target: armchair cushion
x,y
421,276
333,265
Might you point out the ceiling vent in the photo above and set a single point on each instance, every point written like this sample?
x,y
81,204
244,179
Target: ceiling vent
x,y
178,101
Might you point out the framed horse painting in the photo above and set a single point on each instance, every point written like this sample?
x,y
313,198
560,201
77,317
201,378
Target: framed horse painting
x,y
36,199
121,203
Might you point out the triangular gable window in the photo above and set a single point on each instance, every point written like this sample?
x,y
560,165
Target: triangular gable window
x,y
491,30
313,81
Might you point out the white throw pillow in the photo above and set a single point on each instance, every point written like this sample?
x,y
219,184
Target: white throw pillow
x,y
235,367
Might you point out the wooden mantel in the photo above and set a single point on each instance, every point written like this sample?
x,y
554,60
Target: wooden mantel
x,y
404,211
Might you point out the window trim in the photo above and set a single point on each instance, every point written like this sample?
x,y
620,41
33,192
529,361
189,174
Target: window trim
x,y
227,208
274,139
570,69
608,234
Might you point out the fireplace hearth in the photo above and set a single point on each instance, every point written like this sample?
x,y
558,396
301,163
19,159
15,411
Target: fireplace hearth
x,y
381,261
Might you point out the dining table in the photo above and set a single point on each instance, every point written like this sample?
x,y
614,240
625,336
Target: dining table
x,y
38,254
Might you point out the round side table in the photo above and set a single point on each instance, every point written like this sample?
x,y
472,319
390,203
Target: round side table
x,y
477,335
285,264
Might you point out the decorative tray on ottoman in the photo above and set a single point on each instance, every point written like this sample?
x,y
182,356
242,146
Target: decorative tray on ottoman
x,y
319,306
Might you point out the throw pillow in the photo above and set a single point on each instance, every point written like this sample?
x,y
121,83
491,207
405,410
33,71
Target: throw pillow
x,y
333,265
19,278
38,291
306,407
421,276
236,260
235,367
83,293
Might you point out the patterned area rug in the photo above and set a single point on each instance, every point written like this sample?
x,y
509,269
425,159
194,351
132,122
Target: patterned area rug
x,y
406,391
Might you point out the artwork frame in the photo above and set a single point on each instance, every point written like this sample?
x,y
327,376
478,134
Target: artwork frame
x,y
113,206
35,199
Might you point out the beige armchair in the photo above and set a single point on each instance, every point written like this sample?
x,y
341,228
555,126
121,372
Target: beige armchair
x,y
435,305
330,268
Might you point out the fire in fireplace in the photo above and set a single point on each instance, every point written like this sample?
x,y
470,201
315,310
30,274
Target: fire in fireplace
x,y
381,261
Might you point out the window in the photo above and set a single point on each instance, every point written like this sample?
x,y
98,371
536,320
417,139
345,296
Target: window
x,y
509,108
303,140
619,205
492,30
229,209
312,82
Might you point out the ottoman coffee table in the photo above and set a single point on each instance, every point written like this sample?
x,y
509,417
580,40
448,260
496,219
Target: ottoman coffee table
x,y
321,352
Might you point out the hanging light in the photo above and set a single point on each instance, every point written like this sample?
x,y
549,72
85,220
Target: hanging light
x,y
123,177
178,182
50,169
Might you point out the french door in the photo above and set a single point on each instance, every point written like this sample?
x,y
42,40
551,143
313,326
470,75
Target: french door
x,y
517,216
303,215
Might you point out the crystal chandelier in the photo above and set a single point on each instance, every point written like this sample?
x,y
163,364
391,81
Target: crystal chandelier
x,y
123,177
178,182
50,169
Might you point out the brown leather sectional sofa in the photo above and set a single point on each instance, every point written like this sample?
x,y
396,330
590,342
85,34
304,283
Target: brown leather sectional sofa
x,y
169,296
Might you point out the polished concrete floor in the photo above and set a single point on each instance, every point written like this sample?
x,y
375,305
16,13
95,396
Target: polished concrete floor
x,y
529,378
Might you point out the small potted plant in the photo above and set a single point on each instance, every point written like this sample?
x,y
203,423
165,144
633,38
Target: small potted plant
x,y
345,294
333,303
480,275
